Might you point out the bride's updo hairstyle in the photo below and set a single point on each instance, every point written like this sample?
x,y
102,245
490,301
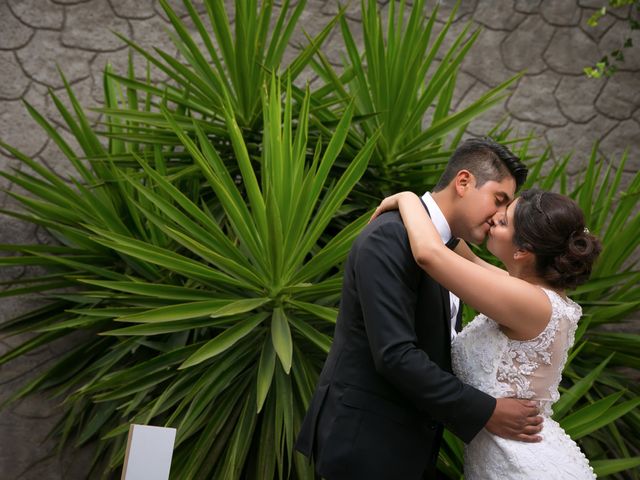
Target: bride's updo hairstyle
x,y
551,226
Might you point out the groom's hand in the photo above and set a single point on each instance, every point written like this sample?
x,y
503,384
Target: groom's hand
x,y
516,419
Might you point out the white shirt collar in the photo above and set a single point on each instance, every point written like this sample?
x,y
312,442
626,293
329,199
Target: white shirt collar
x,y
437,217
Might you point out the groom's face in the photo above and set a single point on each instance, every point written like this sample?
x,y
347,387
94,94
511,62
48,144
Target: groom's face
x,y
479,205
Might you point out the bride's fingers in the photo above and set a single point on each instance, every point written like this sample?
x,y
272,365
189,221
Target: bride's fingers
x,y
376,212
380,209
389,203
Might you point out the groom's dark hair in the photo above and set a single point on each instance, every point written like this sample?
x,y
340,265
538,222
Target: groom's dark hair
x,y
487,160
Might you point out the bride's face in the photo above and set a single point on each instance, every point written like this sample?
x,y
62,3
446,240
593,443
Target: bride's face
x,y
500,238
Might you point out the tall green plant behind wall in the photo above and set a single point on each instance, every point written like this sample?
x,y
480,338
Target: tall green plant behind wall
x,y
199,247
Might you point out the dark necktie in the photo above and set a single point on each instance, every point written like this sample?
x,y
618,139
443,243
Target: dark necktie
x,y
453,243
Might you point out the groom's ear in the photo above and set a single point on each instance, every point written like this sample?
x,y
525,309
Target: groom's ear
x,y
463,181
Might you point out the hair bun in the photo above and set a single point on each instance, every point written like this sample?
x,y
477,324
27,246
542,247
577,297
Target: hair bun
x,y
552,227
573,267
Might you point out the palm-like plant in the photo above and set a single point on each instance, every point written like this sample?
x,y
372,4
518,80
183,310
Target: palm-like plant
x,y
222,297
403,85
599,406
231,66
222,66
202,243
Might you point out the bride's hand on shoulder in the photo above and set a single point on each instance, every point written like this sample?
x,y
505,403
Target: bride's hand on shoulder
x,y
391,202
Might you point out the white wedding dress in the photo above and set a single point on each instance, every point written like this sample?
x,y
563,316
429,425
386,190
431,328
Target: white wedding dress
x,y
487,359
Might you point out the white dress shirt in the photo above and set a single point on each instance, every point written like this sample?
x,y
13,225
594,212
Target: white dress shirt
x,y
442,226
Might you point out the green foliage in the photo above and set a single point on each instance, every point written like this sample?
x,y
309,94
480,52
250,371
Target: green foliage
x,y
182,292
396,85
609,63
199,248
606,413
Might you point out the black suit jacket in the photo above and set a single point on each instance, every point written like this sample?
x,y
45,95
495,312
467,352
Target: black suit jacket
x,y
386,389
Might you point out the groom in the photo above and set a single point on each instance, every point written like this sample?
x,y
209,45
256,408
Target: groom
x,y
386,390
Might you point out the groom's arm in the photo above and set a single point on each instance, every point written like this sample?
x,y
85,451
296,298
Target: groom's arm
x,y
387,279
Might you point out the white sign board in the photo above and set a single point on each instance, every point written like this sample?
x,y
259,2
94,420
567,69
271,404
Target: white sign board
x,y
149,451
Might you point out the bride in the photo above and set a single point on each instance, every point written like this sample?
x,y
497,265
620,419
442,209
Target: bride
x,y
517,346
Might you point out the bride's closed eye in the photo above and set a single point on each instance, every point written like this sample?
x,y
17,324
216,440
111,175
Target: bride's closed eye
x,y
499,221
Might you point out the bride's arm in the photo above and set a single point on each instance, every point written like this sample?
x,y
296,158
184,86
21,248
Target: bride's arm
x,y
516,304
462,249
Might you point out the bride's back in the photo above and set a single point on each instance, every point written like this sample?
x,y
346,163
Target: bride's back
x,y
486,358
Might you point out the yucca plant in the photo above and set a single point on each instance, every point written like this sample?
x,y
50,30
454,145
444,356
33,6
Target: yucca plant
x,y
403,84
216,319
402,76
200,247
593,402
220,65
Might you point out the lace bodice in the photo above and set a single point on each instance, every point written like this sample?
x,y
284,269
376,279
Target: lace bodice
x,y
484,357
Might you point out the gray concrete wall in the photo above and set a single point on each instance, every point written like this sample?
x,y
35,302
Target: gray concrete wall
x,y
549,38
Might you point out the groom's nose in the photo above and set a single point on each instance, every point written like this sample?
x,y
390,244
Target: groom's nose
x,y
496,216
500,212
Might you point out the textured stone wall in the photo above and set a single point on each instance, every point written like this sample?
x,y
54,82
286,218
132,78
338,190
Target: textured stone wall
x,y
549,39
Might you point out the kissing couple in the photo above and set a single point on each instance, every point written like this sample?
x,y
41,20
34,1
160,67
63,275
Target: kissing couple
x,y
400,369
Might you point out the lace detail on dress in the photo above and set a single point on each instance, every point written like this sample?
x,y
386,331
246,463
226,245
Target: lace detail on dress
x,y
484,357
571,310
475,362
530,369
523,357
